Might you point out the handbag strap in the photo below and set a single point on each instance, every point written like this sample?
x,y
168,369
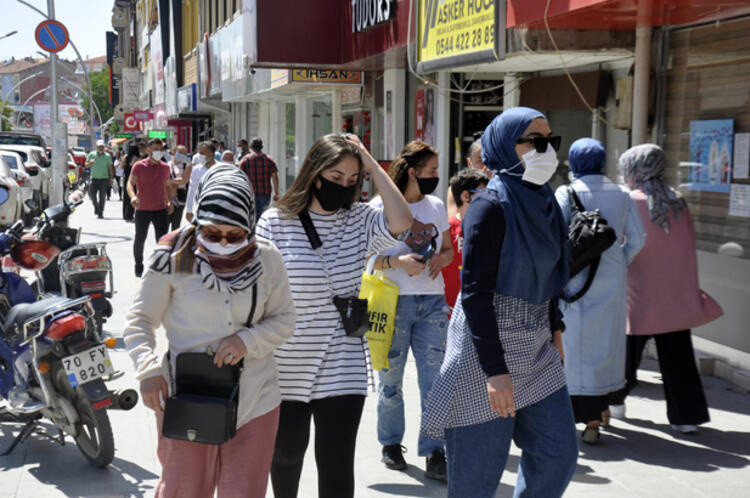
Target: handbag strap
x,y
576,201
248,323
317,245
586,286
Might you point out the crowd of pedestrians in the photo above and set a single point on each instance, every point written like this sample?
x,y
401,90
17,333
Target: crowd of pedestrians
x,y
508,345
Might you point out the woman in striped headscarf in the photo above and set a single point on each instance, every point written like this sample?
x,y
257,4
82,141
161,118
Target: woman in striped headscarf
x,y
214,286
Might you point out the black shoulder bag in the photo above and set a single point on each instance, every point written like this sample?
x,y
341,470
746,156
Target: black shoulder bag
x,y
353,310
203,406
590,235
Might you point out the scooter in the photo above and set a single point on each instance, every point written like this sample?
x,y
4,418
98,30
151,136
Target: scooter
x,y
80,269
53,361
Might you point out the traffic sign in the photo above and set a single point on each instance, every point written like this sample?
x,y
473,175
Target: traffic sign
x,y
52,35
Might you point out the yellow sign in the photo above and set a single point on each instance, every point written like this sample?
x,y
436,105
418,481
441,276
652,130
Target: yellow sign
x,y
449,28
326,76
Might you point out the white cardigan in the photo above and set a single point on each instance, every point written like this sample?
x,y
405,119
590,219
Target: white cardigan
x,y
195,318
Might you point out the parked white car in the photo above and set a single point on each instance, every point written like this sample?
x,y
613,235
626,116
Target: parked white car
x,y
11,198
38,167
15,164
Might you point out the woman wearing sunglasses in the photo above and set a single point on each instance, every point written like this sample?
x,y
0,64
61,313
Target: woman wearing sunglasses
x,y
325,235
502,378
200,286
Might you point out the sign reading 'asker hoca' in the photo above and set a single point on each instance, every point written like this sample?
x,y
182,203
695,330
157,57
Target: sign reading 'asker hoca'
x,y
368,13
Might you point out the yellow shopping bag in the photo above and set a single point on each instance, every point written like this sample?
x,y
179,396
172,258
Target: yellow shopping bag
x,y
382,296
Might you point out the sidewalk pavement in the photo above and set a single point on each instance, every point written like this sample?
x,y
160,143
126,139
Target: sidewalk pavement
x,y
637,457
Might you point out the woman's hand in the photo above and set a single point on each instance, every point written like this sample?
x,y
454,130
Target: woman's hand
x,y
230,352
558,342
500,392
368,162
434,266
410,263
153,391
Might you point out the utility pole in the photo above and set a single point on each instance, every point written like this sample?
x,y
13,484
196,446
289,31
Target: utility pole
x,y
59,130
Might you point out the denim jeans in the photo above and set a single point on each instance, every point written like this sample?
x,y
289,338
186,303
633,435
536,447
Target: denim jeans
x,y
421,322
544,431
261,204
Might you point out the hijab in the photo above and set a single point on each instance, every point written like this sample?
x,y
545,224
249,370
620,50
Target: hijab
x,y
534,257
642,167
224,197
587,157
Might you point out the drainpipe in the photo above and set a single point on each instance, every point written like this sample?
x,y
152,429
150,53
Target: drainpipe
x,y
641,75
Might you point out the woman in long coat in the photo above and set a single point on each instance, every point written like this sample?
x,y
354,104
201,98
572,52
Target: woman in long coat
x,y
594,340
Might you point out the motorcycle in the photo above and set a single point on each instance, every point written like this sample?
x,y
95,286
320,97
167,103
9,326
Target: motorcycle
x,y
53,361
80,269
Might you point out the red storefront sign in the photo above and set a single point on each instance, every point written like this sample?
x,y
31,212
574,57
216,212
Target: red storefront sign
x,y
130,123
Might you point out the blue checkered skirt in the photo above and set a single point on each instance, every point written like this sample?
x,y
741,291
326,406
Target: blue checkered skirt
x,y
459,394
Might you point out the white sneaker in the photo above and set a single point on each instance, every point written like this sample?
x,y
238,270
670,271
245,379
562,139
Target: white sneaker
x,y
617,411
685,429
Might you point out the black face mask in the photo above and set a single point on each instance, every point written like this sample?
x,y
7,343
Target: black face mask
x,y
333,196
427,185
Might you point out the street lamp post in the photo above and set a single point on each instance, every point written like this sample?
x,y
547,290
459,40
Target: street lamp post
x,y
6,35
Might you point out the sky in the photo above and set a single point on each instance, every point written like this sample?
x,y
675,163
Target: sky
x,y
86,20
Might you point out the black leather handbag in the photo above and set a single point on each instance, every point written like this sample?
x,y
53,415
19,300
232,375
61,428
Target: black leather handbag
x,y
203,406
353,310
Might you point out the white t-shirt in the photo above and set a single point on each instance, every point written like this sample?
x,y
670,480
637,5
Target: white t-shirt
x,y
320,360
430,220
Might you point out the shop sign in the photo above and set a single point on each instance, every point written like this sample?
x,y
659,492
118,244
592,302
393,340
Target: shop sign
x,y
130,88
453,33
143,115
279,77
124,135
326,76
129,122
163,134
186,98
170,86
369,13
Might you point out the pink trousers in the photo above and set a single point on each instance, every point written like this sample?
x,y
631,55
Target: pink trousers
x,y
237,468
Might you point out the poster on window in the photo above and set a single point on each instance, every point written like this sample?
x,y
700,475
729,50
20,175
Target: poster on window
x,y
23,118
711,155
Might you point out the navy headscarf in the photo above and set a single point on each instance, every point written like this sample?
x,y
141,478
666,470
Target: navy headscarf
x,y
534,257
587,157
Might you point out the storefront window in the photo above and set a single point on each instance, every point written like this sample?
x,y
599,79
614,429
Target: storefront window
x,y
321,118
707,117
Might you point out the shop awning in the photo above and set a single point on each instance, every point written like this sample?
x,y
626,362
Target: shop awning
x,y
619,14
117,141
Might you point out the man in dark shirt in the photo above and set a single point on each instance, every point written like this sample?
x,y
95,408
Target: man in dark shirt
x,y
261,171
150,192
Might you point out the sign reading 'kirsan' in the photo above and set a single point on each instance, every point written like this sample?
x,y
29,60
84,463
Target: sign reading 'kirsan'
x,y
368,13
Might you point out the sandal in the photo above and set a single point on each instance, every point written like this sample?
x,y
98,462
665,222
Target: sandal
x,y
590,435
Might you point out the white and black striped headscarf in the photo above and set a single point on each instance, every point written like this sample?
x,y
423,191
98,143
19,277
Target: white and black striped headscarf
x,y
225,197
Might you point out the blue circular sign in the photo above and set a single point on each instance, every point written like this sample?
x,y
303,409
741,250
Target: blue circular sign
x,y
52,35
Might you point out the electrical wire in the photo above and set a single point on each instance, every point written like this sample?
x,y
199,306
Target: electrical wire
x,y
594,111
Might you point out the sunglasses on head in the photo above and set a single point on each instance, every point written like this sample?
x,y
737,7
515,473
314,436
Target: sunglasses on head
x,y
232,238
540,143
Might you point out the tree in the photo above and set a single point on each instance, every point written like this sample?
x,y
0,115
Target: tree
x,y
6,116
100,91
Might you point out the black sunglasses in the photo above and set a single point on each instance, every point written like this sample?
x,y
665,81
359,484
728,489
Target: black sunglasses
x,y
540,143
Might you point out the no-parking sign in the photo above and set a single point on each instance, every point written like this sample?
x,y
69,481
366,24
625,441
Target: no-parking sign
x,y
52,35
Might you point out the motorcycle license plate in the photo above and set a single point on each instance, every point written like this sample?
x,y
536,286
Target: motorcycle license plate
x,y
88,365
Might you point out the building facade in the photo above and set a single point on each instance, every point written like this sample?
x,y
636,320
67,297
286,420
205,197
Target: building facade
x,y
670,72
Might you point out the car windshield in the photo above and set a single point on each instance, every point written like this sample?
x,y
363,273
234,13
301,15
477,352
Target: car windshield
x,y
4,195
21,153
11,160
20,140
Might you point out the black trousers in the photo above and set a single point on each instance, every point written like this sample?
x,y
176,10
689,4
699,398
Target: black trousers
x,y
336,425
176,218
683,390
142,221
98,188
